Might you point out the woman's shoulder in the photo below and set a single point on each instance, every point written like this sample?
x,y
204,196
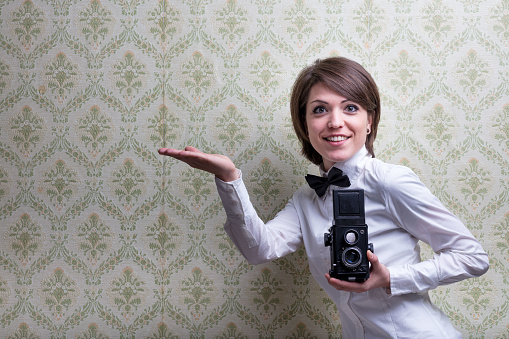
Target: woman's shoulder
x,y
391,176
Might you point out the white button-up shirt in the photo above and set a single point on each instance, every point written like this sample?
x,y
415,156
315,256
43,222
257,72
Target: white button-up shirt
x,y
400,210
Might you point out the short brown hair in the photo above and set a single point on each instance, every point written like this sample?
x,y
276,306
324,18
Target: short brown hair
x,y
345,77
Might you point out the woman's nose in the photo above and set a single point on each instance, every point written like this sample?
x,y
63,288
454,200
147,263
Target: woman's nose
x,y
335,119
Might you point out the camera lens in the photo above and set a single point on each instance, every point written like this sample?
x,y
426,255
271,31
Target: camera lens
x,y
352,257
351,237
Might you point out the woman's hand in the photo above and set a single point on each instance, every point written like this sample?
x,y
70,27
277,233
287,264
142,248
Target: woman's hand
x,y
379,277
219,165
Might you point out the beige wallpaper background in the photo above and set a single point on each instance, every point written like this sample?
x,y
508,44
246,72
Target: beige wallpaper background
x,y
100,237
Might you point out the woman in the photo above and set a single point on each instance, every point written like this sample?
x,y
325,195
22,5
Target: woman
x,y
335,108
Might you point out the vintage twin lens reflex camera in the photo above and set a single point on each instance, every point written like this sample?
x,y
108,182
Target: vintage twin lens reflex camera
x,y
348,237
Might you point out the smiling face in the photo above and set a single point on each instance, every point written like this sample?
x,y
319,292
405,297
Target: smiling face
x,y
337,127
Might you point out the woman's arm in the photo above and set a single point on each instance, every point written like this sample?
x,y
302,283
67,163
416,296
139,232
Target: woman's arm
x,y
258,242
458,255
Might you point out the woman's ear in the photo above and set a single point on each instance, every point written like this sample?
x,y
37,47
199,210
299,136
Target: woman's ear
x,y
370,121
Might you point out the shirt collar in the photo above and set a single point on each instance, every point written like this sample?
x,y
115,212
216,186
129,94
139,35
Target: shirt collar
x,y
350,167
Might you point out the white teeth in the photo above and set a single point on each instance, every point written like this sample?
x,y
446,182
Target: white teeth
x,y
337,138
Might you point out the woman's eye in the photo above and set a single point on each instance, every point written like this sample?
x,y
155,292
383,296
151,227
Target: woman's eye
x,y
319,110
351,108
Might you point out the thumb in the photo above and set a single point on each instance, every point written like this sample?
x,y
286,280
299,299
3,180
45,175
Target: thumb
x,y
373,259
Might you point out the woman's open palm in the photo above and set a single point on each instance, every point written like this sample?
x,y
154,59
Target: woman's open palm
x,y
219,165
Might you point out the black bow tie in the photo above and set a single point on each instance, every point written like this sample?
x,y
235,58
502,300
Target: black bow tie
x,y
320,184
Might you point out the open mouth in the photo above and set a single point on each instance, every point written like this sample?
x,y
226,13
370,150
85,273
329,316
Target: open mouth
x,y
336,138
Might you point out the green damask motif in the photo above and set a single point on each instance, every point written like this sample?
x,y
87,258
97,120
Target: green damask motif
x,y
23,332
478,292
404,73
301,21
438,18
301,332
199,291
61,7
163,237
92,332
267,288
164,18
232,19
472,72
4,183
502,233
438,124
231,332
4,76
501,122
128,291
198,74
501,20
27,21
471,6
267,73
230,253
95,129
4,291
129,7
59,292
97,22
128,183
403,6
266,179
129,74
166,127
334,6
196,186
26,238
28,130
197,7
62,76
95,238
266,7
233,128
60,183
474,179
162,332
368,19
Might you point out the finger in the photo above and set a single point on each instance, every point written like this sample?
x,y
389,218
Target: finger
x,y
168,151
185,156
332,281
345,285
192,149
181,154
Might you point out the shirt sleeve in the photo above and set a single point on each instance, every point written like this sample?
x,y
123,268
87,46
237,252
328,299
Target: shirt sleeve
x,y
257,241
458,255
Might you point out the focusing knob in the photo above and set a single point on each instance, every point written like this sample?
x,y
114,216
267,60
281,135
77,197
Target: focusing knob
x,y
327,239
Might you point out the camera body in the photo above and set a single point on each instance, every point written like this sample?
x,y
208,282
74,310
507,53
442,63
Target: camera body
x,y
348,237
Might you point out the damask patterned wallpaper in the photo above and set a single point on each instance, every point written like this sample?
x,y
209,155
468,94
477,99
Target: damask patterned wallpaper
x,y
101,237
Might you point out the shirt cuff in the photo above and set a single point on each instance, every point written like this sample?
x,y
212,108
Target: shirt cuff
x,y
239,210
399,281
231,193
413,278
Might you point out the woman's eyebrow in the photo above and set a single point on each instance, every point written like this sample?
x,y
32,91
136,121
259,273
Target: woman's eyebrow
x,y
326,102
